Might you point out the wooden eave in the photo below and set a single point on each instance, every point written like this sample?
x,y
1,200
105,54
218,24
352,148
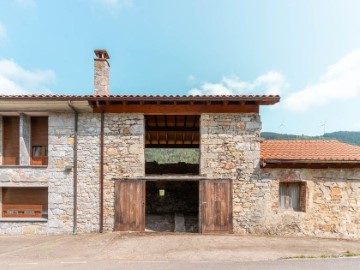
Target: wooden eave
x,y
180,105
172,105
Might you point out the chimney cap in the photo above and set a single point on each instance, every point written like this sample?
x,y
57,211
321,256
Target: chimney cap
x,y
101,54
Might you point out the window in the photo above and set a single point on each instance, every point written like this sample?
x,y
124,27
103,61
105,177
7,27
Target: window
x,y
11,139
30,202
36,133
39,155
292,195
39,140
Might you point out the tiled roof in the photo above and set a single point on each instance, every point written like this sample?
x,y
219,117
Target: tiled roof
x,y
230,97
314,151
236,99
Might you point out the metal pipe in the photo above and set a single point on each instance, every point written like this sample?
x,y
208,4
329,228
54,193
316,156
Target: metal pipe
x,y
75,166
102,172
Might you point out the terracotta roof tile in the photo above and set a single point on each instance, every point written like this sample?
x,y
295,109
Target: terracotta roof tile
x,y
259,99
142,96
321,151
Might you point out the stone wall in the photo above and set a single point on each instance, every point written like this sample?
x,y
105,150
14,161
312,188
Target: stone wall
x,y
332,203
1,139
88,188
123,155
24,134
54,176
230,148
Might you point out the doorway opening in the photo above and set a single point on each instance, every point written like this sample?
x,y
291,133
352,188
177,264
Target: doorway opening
x,y
172,206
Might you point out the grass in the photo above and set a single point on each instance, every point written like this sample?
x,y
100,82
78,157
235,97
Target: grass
x,y
325,256
350,254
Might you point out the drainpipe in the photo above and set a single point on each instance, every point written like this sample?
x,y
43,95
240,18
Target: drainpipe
x,y
75,166
102,172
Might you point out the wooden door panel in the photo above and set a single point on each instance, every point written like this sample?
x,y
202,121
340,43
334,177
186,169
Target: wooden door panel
x,y
216,206
129,205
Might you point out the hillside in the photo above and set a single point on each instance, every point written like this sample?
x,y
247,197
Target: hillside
x,y
351,137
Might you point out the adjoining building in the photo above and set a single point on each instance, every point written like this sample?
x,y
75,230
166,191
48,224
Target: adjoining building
x,y
76,164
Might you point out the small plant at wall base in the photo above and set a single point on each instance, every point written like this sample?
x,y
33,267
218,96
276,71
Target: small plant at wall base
x,y
325,256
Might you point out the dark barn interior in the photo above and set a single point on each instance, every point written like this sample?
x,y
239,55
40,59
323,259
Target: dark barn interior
x,y
173,143
172,206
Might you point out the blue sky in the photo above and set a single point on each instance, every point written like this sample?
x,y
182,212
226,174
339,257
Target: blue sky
x,y
306,51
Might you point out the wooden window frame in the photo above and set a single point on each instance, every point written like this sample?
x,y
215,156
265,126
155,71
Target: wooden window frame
x,y
43,158
39,138
302,196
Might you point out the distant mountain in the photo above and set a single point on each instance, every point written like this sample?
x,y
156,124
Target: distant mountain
x,y
351,137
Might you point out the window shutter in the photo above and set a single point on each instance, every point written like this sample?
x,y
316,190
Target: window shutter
x,y
303,196
11,139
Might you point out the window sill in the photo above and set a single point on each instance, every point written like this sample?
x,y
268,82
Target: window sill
x,y
24,166
23,219
283,210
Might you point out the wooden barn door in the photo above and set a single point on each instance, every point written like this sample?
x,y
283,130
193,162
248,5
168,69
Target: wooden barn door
x,y
216,206
129,205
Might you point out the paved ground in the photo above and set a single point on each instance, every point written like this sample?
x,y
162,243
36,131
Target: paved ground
x,y
313,264
151,250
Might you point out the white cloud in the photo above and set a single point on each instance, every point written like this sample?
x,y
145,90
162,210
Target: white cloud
x,y
3,32
340,82
14,79
271,83
26,3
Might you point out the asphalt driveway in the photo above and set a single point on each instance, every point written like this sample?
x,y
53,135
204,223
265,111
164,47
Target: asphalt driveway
x,y
154,247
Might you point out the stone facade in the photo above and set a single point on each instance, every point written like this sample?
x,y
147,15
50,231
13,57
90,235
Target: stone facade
x,y
332,203
25,130
53,176
1,139
124,156
230,148
88,188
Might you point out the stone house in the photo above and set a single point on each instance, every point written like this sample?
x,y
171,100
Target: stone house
x,y
76,164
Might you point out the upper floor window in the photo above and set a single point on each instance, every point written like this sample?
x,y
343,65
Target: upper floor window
x,y
35,135
39,140
11,139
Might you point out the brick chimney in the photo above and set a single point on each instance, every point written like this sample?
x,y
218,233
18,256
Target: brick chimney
x,y
101,73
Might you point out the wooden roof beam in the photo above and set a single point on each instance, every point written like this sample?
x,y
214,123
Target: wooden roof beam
x,y
172,146
196,109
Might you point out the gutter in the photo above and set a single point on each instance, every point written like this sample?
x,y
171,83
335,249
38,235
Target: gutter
x,y
101,225
75,166
313,161
316,163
